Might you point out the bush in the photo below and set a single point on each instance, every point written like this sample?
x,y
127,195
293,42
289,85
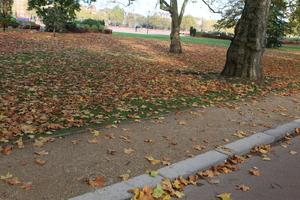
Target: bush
x,y
28,25
87,25
215,35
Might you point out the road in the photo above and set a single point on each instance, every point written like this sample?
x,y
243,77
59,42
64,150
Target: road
x,y
279,180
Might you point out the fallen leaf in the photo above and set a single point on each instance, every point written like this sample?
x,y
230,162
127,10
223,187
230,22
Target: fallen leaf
x,y
26,186
224,196
94,141
97,182
158,191
244,188
124,177
153,173
96,133
41,153
183,123
293,152
152,160
6,176
111,151
254,171
128,151
13,181
20,143
6,150
40,162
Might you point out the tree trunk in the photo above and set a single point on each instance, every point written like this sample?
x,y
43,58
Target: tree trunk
x,y
175,46
246,49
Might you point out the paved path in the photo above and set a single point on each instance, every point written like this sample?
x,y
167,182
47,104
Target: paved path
x,y
280,179
74,159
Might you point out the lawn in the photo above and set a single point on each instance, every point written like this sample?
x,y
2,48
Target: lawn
x,y
51,85
195,40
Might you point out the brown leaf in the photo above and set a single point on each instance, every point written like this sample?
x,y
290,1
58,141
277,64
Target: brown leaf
x,y
41,153
97,182
128,151
244,188
152,160
93,141
26,186
40,162
6,150
254,171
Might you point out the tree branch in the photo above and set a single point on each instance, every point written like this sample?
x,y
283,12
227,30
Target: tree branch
x,y
210,8
165,6
182,10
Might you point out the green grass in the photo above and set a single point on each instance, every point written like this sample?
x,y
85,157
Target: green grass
x,y
188,39
197,40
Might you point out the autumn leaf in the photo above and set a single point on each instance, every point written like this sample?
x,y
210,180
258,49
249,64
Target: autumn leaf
x,y
40,162
254,171
224,196
153,173
6,176
244,188
293,152
124,177
93,141
97,182
6,150
13,181
41,153
158,192
128,151
26,186
152,160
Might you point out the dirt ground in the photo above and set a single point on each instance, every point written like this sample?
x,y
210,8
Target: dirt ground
x,y
175,137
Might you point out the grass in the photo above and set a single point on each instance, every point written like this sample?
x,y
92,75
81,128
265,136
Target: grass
x,y
192,40
195,40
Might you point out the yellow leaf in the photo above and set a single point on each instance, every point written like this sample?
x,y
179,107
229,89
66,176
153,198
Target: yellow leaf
x,y
225,196
152,160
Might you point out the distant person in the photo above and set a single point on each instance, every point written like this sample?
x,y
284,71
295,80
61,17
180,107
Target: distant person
x,y
136,28
191,31
194,32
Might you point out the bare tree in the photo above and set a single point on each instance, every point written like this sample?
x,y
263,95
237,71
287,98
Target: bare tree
x,y
176,17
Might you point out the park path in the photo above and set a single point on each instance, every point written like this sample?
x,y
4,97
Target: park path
x,y
75,158
279,180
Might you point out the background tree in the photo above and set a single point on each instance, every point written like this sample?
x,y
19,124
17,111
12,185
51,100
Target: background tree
x,y
55,13
117,15
277,24
187,22
176,19
246,50
5,12
294,18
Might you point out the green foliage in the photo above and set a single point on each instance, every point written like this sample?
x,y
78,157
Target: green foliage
x,y
5,12
117,15
294,19
159,22
55,13
187,22
277,25
87,25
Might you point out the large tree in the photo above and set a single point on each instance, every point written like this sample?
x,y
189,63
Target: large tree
x,y
246,49
176,17
5,12
294,18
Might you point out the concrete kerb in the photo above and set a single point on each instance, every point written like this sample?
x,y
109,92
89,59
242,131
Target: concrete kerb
x,y
190,166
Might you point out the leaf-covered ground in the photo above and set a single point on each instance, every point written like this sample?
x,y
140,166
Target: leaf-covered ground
x,y
74,80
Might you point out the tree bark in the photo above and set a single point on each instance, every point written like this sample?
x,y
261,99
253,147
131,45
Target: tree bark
x,y
175,46
247,47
